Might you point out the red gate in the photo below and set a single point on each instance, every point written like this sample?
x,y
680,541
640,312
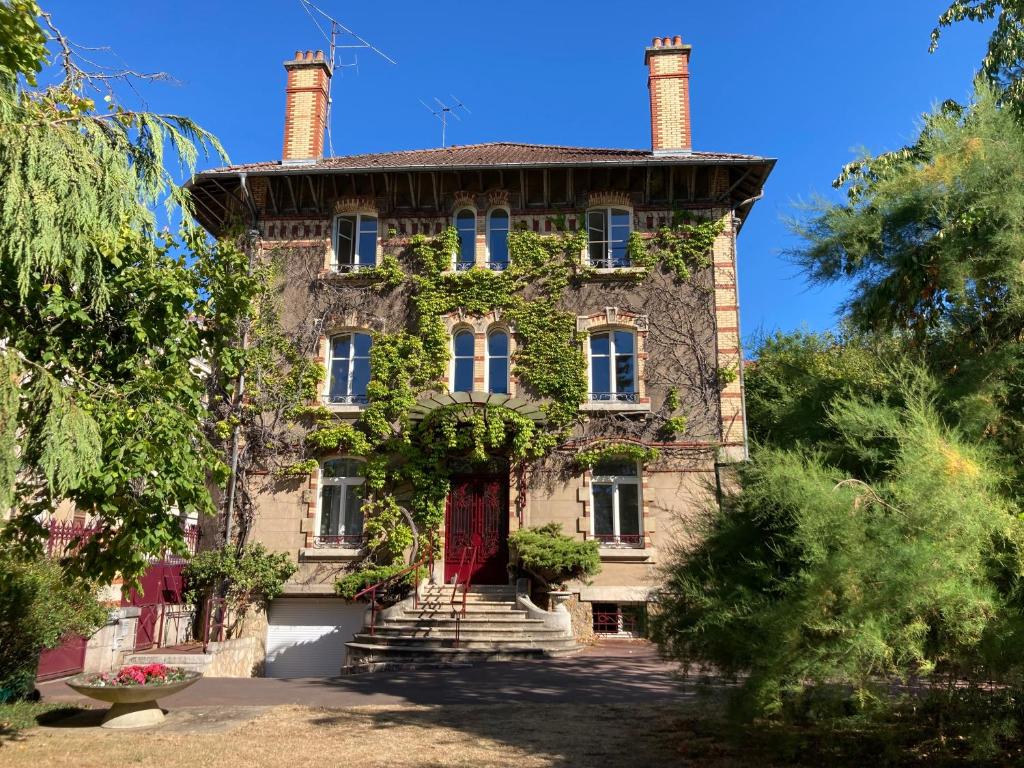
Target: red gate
x,y
68,658
161,585
477,516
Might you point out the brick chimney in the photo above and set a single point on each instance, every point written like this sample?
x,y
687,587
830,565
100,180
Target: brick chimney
x,y
669,85
305,108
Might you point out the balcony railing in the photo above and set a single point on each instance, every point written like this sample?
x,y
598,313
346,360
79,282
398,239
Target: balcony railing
x,y
343,541
351,268
497,266
346,399
66,537
463,266
623,540
613,397
621,262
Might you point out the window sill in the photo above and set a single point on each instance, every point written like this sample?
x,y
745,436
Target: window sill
x,y
626,555
331,553
600,407
346,408
366,273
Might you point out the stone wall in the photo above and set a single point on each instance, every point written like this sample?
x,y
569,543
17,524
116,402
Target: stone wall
x,y
582,620
240,657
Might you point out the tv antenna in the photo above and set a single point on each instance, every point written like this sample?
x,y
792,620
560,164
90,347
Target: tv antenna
x,y
340,38
443,111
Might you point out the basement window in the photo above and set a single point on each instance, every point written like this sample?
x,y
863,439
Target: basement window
x,y
620,619
355,243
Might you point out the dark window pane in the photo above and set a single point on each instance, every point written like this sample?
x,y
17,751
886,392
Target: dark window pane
x,y
629,509
619,256
463,344
339,378
346,239
465,225
497,246
343,468
624,377
360,376
362,343
463,375
330,510
599,344
615,468
497,344
623,342
341,346
368,241
603,509
354,510
497,375
600,378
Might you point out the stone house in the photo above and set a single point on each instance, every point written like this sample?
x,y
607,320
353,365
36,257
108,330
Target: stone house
x,y
660,354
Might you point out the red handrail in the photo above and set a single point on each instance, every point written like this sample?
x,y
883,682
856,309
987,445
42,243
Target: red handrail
x,y
415,568
469,577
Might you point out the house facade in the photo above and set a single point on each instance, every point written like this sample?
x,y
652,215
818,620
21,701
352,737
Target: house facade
x,y
646,276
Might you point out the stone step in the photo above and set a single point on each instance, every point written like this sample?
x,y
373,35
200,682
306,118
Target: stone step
x,y
374,657
500,609
444,619
472,603
472,643
493,591
477,631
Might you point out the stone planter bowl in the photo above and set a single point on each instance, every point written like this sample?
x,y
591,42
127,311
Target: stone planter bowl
x,y
134,706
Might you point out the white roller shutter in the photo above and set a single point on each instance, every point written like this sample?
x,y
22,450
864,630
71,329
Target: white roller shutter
x,y
306,636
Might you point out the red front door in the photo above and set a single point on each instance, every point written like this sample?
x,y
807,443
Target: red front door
x,y
477,517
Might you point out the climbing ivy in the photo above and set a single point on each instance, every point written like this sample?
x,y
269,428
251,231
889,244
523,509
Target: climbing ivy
x,y
588,458
681,247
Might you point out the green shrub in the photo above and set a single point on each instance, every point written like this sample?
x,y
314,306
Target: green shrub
x,y
551,557
39,604
353,583
253,577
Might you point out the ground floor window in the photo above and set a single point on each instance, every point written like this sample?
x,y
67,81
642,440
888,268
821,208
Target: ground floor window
x,y
626,619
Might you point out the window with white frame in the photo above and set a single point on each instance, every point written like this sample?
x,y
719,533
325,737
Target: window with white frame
x,y
350,368
463,343
613,367
615,503
341,504
355,243
465,226
608,236
497,239
497,362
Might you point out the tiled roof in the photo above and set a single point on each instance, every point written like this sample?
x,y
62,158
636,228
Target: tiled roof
x,y
493,154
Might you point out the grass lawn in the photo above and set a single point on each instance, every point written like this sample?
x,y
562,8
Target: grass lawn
x,y
19,715
531,736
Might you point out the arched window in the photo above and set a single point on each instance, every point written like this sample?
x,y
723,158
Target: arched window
x,y
465,225
355,243
497,239
613,367
341,504
350,368
497,363
608,234
615,495
462,361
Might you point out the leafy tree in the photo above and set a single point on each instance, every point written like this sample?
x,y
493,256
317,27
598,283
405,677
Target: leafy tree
x,y
39,604
810,575
103,319
1003,64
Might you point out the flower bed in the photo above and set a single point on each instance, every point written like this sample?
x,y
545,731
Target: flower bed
x,y
136,675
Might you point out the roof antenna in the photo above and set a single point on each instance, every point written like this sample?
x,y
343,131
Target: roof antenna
x,y
340,38
443,111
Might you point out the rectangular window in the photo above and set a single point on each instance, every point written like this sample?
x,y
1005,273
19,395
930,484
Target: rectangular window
x,y
616,504
341,504
355,243
613,367
608,237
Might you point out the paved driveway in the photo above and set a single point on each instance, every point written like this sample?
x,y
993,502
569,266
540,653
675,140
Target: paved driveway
x,y
615,671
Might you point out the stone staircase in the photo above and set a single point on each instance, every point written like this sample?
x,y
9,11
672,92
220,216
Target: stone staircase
x,y
496,627
193,662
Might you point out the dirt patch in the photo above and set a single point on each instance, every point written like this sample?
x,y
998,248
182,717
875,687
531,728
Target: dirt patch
x,y
531,736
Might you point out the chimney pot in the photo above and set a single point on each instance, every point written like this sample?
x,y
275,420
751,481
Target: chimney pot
x,y
668,60
305,111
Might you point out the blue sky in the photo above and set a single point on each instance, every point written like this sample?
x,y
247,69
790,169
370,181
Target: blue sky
x,y
806,81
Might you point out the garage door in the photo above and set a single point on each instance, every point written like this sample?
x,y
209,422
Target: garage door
x,y
306,637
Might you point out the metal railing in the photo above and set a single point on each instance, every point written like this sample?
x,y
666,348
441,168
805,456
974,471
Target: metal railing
x,y
346,541
497,266
459,615
65,537
346,399
463,266
373,589
614,623
625,540
350,268
613,397
612,263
